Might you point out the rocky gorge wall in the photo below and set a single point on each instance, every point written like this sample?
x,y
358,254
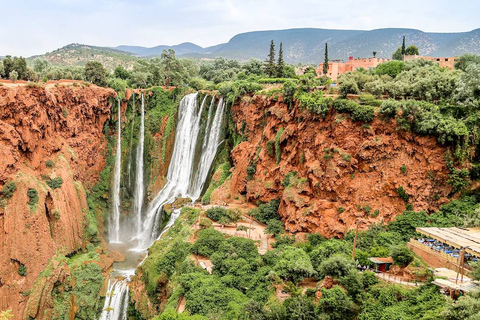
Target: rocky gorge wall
x,y
46,133
331,173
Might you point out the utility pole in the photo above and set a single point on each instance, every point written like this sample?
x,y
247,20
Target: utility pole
x,y
461,259
355,242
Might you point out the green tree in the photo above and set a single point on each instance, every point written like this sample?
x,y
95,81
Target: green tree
x,y
20,65
293,264
335,304
336,266
300,308
13,76
403,46
121,73
401,255
465,60
173,71
475,274
270,68
40,66
7,66
280,63
2,70
208,241
391,68
466,307
95,73
412,50
325,64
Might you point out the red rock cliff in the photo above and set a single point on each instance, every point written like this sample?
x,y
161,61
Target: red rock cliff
x,y
345,171
63,124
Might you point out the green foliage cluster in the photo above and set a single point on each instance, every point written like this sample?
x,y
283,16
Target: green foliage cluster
x,y
8,189
232,91
403,194
315,102
32,198
55,183
401,255
85,286
358,112
49,164
266,211
223,216
22,270
278,149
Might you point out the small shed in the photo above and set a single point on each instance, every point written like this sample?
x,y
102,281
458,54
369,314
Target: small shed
x,y
381,264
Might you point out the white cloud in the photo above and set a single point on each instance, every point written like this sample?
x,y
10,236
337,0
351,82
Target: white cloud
x,y
34,27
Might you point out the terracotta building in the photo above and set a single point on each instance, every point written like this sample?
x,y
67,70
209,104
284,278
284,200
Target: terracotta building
x,y
338,67
444,62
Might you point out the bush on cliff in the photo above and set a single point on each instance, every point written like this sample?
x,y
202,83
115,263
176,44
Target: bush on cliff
x,y
55,183
208,241
8,190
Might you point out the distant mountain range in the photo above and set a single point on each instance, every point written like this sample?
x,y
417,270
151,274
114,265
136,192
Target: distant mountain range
x,y
304,45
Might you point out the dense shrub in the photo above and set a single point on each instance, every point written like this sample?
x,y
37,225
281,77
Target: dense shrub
x,y
22,270
401,255
315,102
32,196
55,183
49,163
359,112
266,212
208,241
389,109
278,149
8,189
336,266
391,68
348,86
216,213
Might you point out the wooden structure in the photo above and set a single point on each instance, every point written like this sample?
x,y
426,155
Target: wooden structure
x,y
382,264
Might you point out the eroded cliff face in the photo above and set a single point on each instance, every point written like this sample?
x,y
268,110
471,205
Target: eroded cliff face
x,y
333,173
46,133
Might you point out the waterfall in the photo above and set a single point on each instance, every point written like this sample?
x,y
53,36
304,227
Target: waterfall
x,y
129,169
116,301
182,178
209,149
114,227
139,185
193,153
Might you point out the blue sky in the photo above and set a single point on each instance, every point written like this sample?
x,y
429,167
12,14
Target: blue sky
x,y
38,26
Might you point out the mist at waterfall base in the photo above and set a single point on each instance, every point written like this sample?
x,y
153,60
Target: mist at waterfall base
x,y
196,144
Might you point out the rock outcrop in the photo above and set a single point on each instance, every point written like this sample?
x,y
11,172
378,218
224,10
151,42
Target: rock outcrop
x,y
46,133
333,173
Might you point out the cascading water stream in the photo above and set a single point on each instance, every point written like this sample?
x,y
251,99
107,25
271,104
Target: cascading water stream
x,y
116,301
186,176
182,178
114,226
139,184
209,150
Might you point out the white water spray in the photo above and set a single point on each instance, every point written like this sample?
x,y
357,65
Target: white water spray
x,y
116,301
139,184
114,227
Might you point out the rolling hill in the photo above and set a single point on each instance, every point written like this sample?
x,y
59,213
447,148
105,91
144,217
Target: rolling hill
x,y
76,54
305,45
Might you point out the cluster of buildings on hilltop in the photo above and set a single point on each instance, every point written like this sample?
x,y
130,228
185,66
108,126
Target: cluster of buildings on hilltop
x,y
338,67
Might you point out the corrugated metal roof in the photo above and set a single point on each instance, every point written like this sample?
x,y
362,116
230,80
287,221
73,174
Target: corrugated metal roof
x,y
381,260
456,237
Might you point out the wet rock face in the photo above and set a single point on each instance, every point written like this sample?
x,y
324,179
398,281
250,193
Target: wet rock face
x,y
46,133
333,172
